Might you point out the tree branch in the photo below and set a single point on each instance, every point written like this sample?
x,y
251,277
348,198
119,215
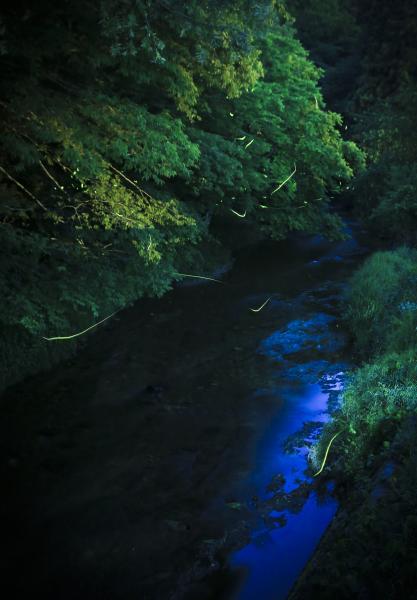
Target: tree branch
x,y
22,187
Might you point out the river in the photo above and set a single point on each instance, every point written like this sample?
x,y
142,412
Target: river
x,y
167,460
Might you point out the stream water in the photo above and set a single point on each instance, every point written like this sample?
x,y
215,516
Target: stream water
x,y
168,459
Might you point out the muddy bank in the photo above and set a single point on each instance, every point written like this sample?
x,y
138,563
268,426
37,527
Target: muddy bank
x,y
125,468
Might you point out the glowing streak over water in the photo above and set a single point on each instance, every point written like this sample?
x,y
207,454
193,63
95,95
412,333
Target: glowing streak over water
x,y
327,452
70,337
261,307
199,277
285,180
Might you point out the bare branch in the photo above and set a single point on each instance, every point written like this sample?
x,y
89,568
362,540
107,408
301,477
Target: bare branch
x,y
22,187
48,174
130,181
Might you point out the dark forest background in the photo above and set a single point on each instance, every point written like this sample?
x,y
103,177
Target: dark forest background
x,y
133,133
142,140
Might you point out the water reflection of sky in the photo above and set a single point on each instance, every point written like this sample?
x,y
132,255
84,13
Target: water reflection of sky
x,y
301,334
301,403
302,350
275,557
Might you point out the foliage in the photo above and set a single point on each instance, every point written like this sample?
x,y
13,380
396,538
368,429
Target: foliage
x,y
128,125
381,312
327,27
386,192
370,550
250,146
389,53
54,288
381,306
374,457
329,30
371,78
376,399
384,108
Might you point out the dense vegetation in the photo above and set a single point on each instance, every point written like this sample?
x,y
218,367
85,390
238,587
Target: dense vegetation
x,y
386,111
369,54
129,130
132,129
371,551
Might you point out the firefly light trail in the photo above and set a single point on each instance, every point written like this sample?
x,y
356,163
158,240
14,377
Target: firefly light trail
x,y
261,307
70,337
199,277
285,180
242,216
327,452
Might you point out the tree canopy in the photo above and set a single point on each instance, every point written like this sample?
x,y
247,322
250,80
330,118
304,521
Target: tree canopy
x,y
129,124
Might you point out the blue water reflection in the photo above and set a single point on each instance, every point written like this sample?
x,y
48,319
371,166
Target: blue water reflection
x,y
275,558
305,350
276,554
300,403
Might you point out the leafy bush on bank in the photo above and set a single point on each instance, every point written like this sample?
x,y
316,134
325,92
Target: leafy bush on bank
x,y
375,401
381,307
128,129
381,313
371,549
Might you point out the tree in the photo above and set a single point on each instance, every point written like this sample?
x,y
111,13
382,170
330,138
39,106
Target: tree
x,y
127,124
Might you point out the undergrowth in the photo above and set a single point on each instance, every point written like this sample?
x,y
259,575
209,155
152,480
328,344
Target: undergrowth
x,y
372,550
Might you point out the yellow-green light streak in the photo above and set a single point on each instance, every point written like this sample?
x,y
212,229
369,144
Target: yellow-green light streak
x,y
285,180
70,337
261,307
327,452
242,216
199,277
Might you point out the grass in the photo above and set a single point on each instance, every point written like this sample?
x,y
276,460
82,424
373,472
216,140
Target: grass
x,y
371,551
381,310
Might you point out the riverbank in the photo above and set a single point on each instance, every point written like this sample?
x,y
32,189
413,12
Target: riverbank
x,y
123,467
370,549
111,459
24,353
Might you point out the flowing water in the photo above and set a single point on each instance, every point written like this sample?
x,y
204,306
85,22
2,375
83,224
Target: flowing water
x,y
168,459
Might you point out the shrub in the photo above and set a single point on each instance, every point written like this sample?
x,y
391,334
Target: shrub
x,y
375,401
382,302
